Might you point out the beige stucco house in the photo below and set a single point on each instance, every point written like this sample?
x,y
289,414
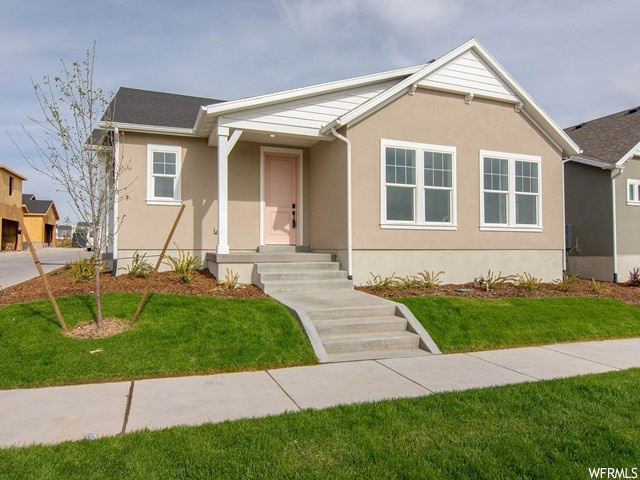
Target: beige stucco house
x,y
449,165
603,197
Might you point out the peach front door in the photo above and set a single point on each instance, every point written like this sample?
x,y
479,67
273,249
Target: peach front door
x,y
280,199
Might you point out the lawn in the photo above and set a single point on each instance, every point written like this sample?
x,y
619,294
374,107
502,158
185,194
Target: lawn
x,y
469,324
175,335
553,429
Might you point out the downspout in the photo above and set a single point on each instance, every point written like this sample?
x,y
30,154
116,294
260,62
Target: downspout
x,y
349,227
116,169
615,224
564,221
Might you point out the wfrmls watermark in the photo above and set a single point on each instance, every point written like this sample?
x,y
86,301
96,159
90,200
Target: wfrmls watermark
x,y
604,472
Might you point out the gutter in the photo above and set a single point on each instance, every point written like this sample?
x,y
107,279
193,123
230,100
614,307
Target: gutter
x,y
349,216
564,219
615,222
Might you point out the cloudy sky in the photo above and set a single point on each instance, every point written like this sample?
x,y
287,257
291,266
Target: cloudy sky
x,y
577,58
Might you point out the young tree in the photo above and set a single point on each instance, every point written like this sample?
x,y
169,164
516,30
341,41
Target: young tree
x,y
76,148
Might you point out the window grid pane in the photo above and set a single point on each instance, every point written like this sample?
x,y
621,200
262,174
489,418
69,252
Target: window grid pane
x,y
496,174
438,169
526,177
400,166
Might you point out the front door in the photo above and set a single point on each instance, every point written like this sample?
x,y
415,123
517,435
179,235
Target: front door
x,y
280,199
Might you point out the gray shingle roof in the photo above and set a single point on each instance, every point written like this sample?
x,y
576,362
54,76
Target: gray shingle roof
x,y
608,138
145,107
35,206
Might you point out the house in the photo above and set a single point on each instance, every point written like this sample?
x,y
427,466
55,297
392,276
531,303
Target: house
x,y
40,217
602,187
64,232
449,165
10,198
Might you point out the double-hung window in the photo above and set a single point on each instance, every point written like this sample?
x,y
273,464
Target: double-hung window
x,y
510,191
418,185
633,192
163,174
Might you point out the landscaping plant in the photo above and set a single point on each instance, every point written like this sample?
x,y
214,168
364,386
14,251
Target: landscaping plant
x,y
568,284
139,267
379,282
492,281
184,264
634,277
231,280
430,279
526,281
83,269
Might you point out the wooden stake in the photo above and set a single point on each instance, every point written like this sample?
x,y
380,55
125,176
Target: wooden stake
x,y
52,299
158,263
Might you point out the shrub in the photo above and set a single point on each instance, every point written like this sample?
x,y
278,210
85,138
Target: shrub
x,y
634,277
230,280
184,264
410,282
597,287
82,269
430,279
568,284
491,281
139,267
379,282
526,281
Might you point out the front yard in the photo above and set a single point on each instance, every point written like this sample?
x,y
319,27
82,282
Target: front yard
x,y
553,429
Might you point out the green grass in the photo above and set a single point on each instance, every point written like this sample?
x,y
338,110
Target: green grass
x,y
175,335
554,429
468,324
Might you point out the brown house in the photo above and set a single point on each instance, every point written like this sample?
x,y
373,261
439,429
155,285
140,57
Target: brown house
x,y
40,217
10,197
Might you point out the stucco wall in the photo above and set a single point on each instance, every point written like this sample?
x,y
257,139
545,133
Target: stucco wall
x,y
628,215
588,209
444,119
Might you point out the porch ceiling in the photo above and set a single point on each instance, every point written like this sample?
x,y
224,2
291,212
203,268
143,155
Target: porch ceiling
x,y
268,138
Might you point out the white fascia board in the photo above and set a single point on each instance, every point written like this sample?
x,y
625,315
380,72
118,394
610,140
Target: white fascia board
x,y
133,127
253,102
568,145
591,162
629,155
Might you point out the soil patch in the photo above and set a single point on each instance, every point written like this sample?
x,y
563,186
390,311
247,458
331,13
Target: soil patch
x,y
89,330
203,284
582,288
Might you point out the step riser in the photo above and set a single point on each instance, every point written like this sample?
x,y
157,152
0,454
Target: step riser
x,y
302,286
355,312
290,276
283,249
296,267
343,346
361,328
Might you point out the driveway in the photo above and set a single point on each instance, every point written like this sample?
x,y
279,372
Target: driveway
x,y
16,267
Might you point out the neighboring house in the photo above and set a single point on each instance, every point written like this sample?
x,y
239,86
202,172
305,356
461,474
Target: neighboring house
x,y
10,198
40,217
448,165
602,187
64,232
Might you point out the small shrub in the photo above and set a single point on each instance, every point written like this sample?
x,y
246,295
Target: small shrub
x,y
139,267
568,284
634,277
230,280
430,279
410,282
184,264
491,281
597,287
526,281
82,269
379,282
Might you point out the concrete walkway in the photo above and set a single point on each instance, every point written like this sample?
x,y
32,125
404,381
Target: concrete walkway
x,y
17,267
50,415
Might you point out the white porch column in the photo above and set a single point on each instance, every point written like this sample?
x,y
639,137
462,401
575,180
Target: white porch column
x,y
223,190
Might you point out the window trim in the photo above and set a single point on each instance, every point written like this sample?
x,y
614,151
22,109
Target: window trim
x,y
635,182
511,225
419,222
177,191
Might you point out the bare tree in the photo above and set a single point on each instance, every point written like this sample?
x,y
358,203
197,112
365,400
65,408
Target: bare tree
x,y
76,148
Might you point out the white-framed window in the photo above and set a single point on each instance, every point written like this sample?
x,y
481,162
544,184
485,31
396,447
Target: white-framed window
x,y
163,175
418,185
510,191
633,192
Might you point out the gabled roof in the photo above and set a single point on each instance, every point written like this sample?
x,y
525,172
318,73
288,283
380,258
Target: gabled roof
x,y
12,172
612,139
146,107
27,197
37,207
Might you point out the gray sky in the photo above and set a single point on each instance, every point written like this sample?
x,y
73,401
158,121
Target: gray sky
x,y
578,59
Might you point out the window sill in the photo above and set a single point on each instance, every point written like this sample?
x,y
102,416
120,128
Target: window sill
x,y
487,228
154,201
635,204
400,226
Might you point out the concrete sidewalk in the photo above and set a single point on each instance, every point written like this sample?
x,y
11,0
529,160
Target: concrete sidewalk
x,y
50,415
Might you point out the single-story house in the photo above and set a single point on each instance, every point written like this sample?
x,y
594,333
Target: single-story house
x,y
449,165
40,217
602,187
10,198
64,232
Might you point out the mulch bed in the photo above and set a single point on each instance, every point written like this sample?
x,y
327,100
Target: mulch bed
x,y
203,284
89,330
582,288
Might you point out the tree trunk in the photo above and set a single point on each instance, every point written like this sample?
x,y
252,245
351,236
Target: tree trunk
x,y
96,270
